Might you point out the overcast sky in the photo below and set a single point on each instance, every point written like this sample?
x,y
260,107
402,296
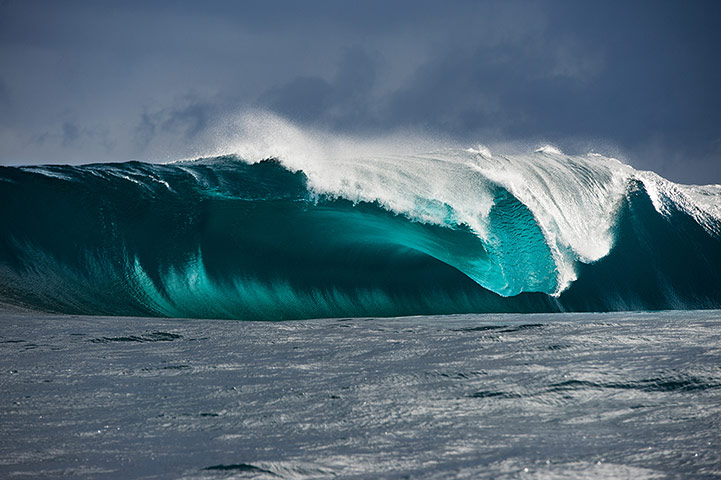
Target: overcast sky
x,y
151,80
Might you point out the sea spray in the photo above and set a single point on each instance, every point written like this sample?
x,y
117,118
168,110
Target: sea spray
x,y
328,233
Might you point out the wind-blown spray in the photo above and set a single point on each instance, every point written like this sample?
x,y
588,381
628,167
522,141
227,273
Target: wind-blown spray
x,y
304,226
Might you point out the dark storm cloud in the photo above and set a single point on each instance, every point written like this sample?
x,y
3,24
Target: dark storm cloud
x,y
115,80
304,98
4,95
71,133
174,129
641,77
145,130
185,119
345,102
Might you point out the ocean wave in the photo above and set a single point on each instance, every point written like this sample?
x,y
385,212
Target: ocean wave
x,y
450,231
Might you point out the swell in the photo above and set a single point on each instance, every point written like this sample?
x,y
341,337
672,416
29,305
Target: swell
x,y
222,238
659,262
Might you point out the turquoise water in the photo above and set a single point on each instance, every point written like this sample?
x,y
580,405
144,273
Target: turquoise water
x,y
450,232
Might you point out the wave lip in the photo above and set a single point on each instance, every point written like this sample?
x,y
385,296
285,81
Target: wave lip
x,y
450,231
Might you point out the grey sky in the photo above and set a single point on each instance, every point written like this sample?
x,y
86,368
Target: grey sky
x,y
113,81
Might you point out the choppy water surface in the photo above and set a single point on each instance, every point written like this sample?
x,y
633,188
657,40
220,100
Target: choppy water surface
x,y
485,396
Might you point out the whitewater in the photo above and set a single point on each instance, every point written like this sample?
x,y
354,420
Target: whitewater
x,y
291,225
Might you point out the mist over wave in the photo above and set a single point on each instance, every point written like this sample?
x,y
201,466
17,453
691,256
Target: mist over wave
x,y
299,225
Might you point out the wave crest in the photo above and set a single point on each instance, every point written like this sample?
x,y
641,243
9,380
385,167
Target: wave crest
x,y
454,230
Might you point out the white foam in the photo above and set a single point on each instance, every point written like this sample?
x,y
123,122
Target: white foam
x,y
549,149
574,199
49,172
703,203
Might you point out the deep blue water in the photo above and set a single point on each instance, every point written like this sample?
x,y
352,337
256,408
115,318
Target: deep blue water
x,y
446,233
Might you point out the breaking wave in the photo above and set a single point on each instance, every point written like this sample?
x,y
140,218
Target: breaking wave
x,y
269,237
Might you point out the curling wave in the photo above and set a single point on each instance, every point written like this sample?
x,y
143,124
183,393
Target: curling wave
x,y
384,235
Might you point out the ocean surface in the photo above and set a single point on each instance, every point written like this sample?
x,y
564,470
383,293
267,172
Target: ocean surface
x,y
161,320
530,396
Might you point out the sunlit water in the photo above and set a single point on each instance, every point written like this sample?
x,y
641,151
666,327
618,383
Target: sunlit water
x,y
617,395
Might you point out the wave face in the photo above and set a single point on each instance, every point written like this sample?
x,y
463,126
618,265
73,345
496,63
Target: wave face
x,y
450,232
